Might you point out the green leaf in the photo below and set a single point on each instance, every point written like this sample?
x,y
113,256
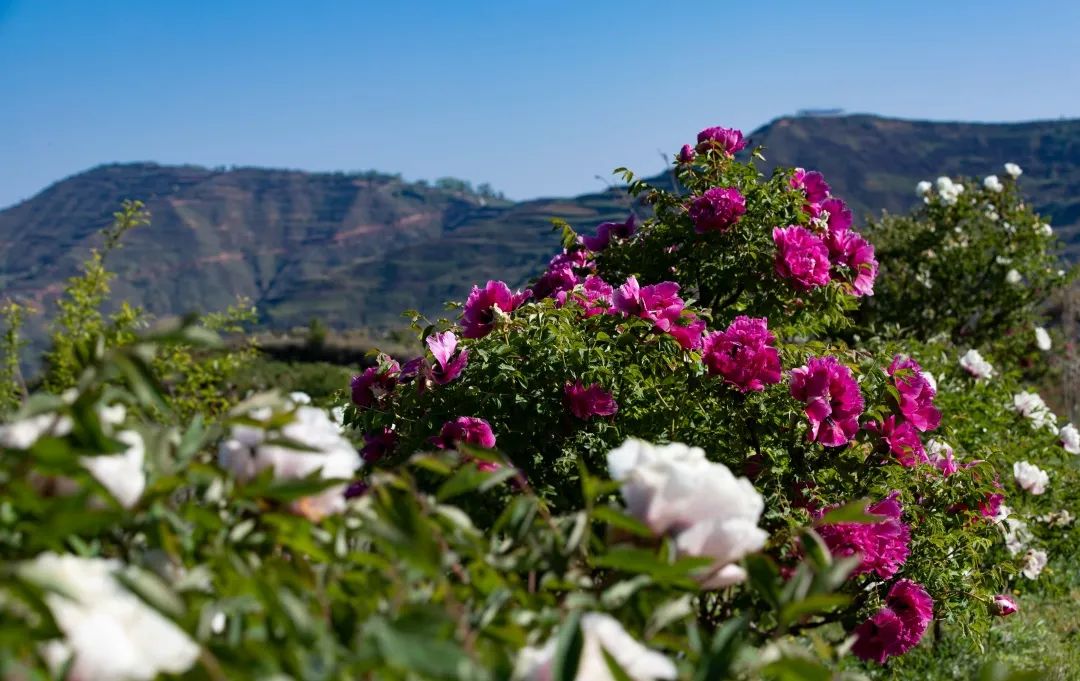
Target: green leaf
x,y
717,661
568,649
853,512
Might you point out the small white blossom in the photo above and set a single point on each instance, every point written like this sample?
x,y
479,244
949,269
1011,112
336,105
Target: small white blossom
x,y
1014,171
1070,439
1013,277
1060,518
109,633
1032,407
1030,477
991,214
24,433
601,632
923,188
1034,562
1045,229
1016,534
1042,339
973,363
298,399
122,474
709,512
930,379
1003,260
993,183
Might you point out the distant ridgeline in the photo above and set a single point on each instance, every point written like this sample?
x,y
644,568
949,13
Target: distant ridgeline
x,y
355,249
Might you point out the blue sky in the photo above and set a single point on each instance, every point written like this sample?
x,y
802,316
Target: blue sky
x,y
537,98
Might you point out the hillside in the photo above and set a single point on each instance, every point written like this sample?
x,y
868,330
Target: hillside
x,y
356,249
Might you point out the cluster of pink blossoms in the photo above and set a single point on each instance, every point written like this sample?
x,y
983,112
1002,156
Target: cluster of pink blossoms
x,y
585,402
480,309
882,545
808,260
717,209
898,627
468,430
370,388
917,415
832,397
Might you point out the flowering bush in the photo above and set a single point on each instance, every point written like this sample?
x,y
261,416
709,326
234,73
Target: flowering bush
x,y
684,452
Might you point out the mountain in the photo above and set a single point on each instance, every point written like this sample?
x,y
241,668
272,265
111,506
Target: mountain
x,y
357,249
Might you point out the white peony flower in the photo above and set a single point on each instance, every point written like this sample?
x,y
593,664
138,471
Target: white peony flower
x,y
109,633
24,433
973,363
246,453
993,183
1045,229
1017,535
923,188
1013,170
298,399
1002,514
1030,477
601,632
1070,439
1042,339
1060,518
122,474
1034,562
1013,277
1031,406
709,512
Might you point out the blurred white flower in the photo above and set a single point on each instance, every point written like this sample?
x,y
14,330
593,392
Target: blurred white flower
x,y
991,214
122,474
246,453
973,363
709,512
930,379
1060,518
948,190
1002,260
1042,339
24,433
109,633
1016,533
1034,562
1070,439
601,632
1032,407
1013,277
923,188
298,399
1030,477
993,183
1045,229
1014,171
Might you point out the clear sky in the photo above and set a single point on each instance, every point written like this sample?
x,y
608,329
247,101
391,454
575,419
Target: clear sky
x,y
537,98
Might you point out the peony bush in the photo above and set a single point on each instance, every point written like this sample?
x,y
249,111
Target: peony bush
x,y
724,438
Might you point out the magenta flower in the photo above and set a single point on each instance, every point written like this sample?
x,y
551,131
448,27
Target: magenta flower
x,y
812,184
1004,605
876,639
586,402
941,456
658,303
479,317
910,602
801,257
687,329
686,154
902,438
832,397
990,506
595,296
448,365
717,209
728,140
839,215
356,488
469,430
378,444
850,251
882,545
375,383
605,231
743,354
916,393
553,282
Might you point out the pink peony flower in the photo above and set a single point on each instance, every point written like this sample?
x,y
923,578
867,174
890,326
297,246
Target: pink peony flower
x,y
1004,605
855,254
813,185
942,457
479,316
686,154
717,209
375,383
882,545
876,638
990,506
801,257
743,354
586,402
595,296
687,329
658,303
832,397
605,231
910,602
553,282
356,488
378,444
902,439
728,140
916,393
839,215
448,365
465,429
